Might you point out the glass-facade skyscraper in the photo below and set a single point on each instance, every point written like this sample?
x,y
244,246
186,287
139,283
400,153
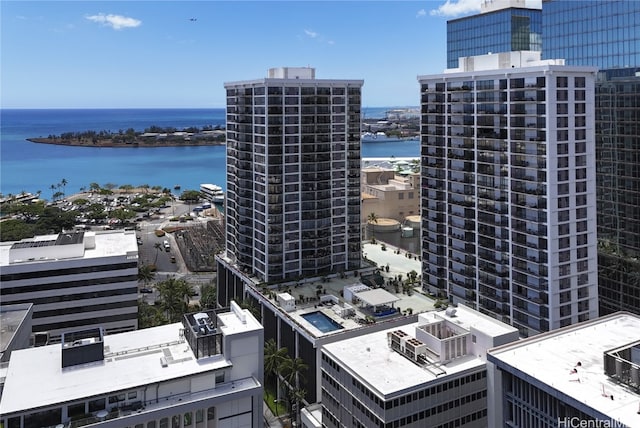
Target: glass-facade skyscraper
x,y
606,34
502,26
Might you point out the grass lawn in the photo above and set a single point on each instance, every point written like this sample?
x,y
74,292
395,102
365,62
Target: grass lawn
x,y
278,408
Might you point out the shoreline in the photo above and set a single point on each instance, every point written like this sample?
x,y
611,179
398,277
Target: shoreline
x,y
110,144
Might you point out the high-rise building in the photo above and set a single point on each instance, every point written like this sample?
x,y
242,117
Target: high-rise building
x,y
612,43
501,26
586,375
508,200
293,175
430,373
206,371
74,280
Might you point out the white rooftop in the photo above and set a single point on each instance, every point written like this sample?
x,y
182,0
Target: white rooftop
x,y
551,357
467,318
131,360
94,245
378,365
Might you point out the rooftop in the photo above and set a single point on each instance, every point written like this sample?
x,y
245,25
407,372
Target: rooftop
x,y
131,360
378,365
328,295
552,359
11,316
82,245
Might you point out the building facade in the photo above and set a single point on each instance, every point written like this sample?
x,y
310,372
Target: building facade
x,y
74,280
501,26
585,375
612,44
293,175
389,192
508,199
204,372
431,373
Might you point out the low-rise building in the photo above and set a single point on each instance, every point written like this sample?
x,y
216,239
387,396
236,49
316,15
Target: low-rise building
x,y
586,375
206,371
390,189
15,328
74,280
431,373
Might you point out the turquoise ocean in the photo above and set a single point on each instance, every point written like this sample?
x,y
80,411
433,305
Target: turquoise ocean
x,y
32,167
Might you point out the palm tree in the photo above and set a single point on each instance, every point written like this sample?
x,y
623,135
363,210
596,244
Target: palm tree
x,y
174,297
372,218
208,296
53,189
293,373
64,183
274,357
298,395
146,274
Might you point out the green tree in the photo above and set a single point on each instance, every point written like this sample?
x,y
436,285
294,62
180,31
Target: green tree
x,y
146,274
293,370
64,183
208,296
371,219
174,298
190,196
126,187
123,214
274,358
149,315
15,230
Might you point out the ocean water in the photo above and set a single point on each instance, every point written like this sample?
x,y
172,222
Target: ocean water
x,y
32,167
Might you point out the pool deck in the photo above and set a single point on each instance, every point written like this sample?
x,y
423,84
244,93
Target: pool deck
x,y
305,293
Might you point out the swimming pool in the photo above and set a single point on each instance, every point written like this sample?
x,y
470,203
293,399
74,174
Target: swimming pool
x,y
321,321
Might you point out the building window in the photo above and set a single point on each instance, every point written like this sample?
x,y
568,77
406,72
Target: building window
x,y
96,405
211,413
400,195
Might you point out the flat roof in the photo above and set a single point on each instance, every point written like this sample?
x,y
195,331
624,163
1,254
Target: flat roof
x,y
131,360
107,244
550,358
377,297
468,318
377,365
11,316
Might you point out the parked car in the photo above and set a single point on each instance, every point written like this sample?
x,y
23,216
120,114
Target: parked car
x,y
173,259
167,247
146,290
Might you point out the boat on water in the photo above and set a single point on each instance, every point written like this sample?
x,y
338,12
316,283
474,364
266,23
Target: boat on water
x,y
381,137
176,187
212,193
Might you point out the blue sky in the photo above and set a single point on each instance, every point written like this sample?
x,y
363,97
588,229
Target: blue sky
x,y
142,54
